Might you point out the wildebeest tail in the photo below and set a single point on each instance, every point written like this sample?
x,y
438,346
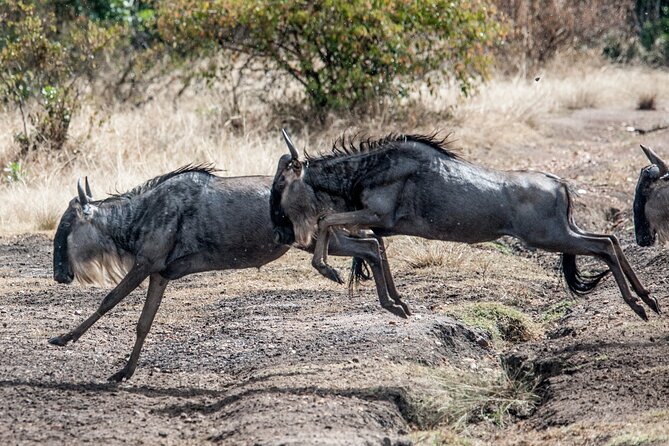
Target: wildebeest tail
x,y
576,281
359,272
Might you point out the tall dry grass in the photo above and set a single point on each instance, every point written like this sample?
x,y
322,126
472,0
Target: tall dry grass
x,y
131,145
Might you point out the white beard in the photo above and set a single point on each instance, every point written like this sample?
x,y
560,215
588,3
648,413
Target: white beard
x,y
104,270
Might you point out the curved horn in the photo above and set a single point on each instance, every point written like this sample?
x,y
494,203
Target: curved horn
x,y
652,156
88,188
293,151
83,198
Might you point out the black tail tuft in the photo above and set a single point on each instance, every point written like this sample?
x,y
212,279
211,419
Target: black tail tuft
x,y
578,283
359,272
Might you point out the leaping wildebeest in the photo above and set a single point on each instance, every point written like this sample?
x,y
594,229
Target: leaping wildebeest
x,y
180,223
651,201
414,185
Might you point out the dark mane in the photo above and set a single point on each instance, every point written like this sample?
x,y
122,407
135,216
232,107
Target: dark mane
x,y
206,168
347,146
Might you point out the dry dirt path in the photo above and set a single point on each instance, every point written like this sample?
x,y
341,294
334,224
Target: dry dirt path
x,y
292,363
281,356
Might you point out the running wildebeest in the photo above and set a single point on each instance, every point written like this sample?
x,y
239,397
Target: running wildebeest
x,y
180,223
414,185
651,201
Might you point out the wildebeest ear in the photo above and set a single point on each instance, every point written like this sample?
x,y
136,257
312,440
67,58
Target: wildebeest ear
x,y
652,156
293,151
83,198
88,188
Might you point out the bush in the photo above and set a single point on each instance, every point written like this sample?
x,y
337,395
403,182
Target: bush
x,y
42,60
343,53
654,37
543,27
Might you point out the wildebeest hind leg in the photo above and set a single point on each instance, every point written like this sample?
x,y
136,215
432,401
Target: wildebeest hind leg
x,y
154,296
131,281
639,289
390,282
637,286
603,248
368,249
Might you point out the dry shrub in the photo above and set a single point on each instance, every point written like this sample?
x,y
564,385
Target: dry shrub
x,y
647,100
453,398
540,28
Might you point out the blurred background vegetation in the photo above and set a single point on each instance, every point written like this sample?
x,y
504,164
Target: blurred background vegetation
x,y
315,58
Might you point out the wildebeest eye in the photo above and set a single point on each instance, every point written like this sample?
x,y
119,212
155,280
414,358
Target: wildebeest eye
x,y
295,166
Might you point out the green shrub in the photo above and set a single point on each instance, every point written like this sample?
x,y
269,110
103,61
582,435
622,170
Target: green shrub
x,y
343,53
43,62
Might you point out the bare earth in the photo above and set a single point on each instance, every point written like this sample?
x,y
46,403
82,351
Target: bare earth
x,y
281,356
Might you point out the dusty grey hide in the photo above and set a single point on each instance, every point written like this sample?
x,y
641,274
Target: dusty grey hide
x,y
183,222
413,185
651,201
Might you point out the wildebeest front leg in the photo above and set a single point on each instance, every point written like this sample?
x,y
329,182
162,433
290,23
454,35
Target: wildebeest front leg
x,y
154,296
363,219
368,249
131,281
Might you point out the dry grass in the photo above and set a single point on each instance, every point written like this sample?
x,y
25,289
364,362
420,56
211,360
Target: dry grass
x,y
451,398
132,145
485,271
644,428
508,111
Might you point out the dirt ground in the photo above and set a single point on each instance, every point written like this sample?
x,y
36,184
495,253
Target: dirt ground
x,y
281,356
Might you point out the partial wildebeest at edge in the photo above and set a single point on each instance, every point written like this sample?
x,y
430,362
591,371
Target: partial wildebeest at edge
x,y
180,223
413,185
651,201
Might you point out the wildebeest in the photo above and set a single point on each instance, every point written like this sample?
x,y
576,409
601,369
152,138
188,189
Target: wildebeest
x,y
414,185
651,201
180,223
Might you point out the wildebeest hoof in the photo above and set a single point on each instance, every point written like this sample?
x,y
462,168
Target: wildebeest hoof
x,y
397,311
638,309
121,375
652,303
330,273
404,306
656,307
60,341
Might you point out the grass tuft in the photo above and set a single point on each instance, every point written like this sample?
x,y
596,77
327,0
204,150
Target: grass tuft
x,y
419,253
633,440
647,101
503,323
455,398
558,311
46,219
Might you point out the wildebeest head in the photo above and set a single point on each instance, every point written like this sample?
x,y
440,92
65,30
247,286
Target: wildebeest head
x,y
292,196
651,201
80,249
